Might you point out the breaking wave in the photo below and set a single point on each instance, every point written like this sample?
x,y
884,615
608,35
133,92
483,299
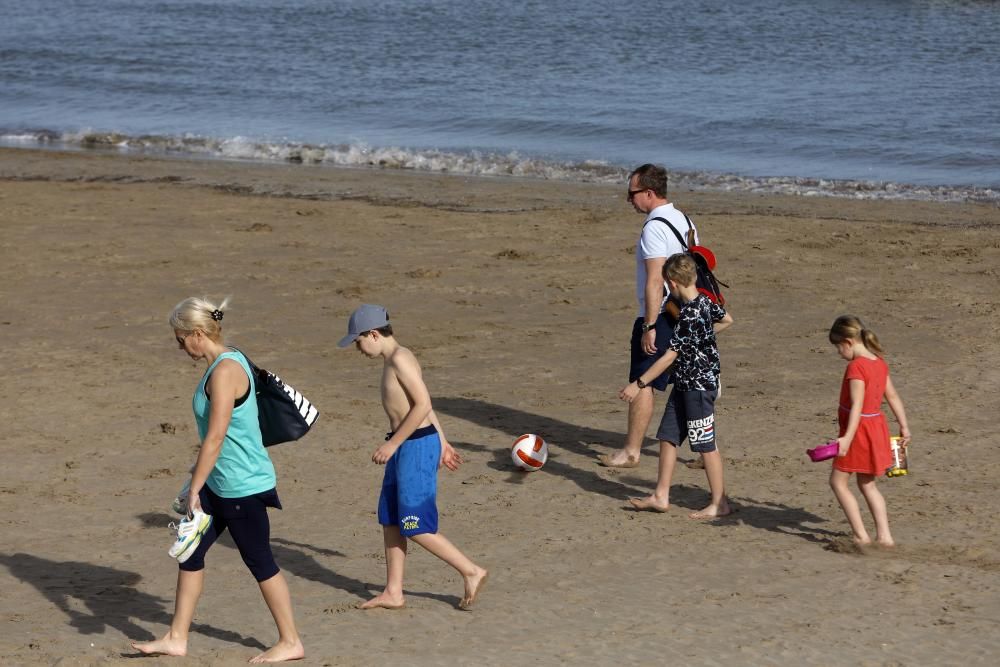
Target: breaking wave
x,y
475,163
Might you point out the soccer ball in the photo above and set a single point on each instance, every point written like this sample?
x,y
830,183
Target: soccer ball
x,y
529,452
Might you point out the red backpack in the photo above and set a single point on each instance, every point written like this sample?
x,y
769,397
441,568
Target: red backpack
x,y
704,261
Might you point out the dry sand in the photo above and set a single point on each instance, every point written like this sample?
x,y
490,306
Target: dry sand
x,y
517,296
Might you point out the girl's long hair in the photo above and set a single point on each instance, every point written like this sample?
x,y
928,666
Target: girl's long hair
x,y
849,327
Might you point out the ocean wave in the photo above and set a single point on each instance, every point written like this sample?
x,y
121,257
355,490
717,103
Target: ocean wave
x,y
477,163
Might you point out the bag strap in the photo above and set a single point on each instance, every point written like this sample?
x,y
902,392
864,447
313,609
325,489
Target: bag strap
x,y
684,244
254,368
254,371
690,233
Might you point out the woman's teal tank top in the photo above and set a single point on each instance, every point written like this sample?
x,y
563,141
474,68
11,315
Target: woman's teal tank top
x,y
243,467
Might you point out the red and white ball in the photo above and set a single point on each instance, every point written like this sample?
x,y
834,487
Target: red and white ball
x,y
529,452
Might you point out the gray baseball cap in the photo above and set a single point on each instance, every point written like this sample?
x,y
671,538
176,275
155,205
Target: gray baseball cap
x,y
365,318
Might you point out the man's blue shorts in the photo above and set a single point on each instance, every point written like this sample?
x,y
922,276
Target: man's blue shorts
x,y
409,488
642,361
691,415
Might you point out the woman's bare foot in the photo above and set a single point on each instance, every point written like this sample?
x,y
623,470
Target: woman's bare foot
x,y
166,645
473,587
713,511
384,601
650,503
281,652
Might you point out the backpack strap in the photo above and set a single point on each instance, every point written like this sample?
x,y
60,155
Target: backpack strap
x,y
680,239
690,233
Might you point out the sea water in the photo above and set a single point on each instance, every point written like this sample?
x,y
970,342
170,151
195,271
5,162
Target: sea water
x,y
862,98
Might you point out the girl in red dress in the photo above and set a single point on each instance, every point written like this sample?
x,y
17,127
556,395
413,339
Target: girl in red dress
x,y
864,433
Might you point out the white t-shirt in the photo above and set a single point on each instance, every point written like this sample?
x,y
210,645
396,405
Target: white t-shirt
x,y
657,240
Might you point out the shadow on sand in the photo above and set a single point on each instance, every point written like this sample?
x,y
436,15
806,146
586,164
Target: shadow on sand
x,y
559,434
765,515
781,519
300,559
296,558
95,598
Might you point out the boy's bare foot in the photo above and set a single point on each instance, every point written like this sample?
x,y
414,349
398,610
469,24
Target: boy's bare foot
x,y
862,542
650,503
886,544
281,652
713,511
618,459
473,587
163,646
384,601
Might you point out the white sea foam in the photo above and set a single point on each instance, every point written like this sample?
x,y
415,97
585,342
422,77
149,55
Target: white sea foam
x,y
478,163
27,138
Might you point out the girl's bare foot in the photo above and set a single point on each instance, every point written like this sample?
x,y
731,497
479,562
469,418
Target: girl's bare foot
x,y
384,601
281,652
166,645
713,511
650,503
473,587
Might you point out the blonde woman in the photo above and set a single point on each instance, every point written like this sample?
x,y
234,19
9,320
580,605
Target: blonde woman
x,y
233,482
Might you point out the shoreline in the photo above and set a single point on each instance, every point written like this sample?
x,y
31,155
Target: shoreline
x,y
459,193
517,298
484,164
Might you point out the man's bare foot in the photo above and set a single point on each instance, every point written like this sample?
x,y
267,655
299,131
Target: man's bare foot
x,y
713,511
650,503
281,652
473,587
384,601
166,645
619,459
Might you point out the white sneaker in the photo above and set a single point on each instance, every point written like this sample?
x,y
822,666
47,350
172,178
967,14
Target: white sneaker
x,y
180,504
189,534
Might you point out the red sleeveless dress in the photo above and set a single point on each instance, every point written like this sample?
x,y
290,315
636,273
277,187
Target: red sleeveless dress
x,y
870,452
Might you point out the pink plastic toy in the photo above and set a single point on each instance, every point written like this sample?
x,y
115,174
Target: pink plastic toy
x,y
824,452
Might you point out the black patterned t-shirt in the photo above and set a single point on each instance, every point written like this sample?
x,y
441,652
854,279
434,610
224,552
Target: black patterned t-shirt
x,y
697,365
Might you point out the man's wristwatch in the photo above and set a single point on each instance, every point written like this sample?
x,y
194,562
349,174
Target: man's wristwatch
x,y
639,383
648,326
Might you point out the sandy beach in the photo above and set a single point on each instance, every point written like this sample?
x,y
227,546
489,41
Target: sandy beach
x,y
517,296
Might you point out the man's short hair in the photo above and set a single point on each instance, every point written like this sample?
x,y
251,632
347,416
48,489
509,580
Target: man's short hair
x,y
652,177
681,269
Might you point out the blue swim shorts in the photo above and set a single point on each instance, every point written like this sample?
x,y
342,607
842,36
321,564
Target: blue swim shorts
x,y
409,488
691,415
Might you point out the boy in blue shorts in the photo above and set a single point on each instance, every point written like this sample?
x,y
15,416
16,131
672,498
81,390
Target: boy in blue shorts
x,y
690,411
412,452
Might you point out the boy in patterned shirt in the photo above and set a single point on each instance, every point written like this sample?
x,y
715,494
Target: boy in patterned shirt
x,y
690,410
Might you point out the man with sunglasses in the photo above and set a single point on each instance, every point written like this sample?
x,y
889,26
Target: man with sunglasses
x,y
652,329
